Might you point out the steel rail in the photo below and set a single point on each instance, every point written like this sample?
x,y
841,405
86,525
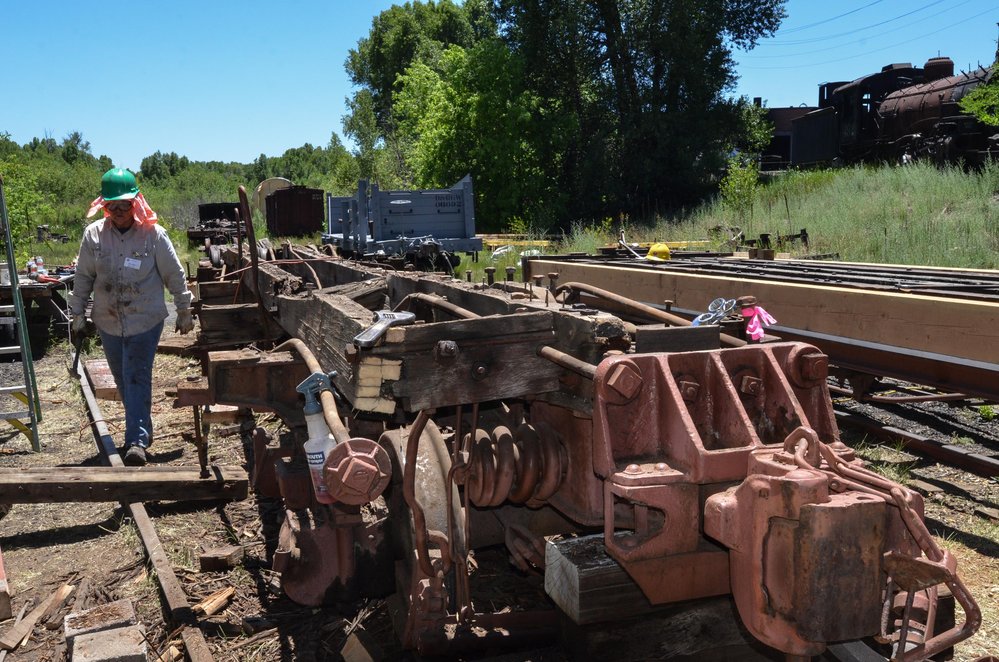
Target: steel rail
x,y
949,454
180,609
967,376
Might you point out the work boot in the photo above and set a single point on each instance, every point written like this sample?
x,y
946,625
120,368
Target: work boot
x,y
135,456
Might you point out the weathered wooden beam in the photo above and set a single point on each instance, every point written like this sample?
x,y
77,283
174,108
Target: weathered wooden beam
x,y
125,484
490,358
264,381
591,587
233,323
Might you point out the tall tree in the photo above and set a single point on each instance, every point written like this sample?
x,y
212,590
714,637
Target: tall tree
x,y
645,82
474,116
404,34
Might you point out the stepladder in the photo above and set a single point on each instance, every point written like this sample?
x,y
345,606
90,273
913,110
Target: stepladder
x,y
19,404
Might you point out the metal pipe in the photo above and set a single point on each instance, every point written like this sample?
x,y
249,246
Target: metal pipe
x,y
312,272
641,309
437,302
899,399
326,399
567,361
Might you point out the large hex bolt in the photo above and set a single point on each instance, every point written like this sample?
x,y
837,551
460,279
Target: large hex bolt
x,y
806,366
490,275
623,382
510,271
357,471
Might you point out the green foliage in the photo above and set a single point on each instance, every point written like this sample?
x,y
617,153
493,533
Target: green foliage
x,y
561,111
472,115
738,188
403,35
987,412
24,204
983,101
757,131
918,214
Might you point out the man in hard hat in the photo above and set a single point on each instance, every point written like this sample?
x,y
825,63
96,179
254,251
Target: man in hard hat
x,y
125,261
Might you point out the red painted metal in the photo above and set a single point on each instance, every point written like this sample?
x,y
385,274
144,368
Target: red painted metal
x,y
810,535
357,471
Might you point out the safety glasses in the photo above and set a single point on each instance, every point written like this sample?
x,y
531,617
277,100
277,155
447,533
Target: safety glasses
x,y
119,205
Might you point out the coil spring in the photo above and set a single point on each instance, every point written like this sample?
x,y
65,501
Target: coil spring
x,y
523,467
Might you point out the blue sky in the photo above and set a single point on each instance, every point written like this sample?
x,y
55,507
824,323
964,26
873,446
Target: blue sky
x,y
229,81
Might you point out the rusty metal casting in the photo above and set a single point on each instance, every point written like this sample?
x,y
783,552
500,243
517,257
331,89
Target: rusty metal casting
x,y
805,503
357,471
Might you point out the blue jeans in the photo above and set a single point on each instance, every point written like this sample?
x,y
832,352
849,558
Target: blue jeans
x,y
131,361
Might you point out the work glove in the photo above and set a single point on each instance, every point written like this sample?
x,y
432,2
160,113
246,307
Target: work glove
x,y
185,321
79,325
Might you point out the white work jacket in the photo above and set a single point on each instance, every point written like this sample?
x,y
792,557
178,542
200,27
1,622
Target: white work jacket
x,y
126,272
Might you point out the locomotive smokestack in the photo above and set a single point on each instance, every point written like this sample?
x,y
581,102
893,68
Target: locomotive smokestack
x,y
937,68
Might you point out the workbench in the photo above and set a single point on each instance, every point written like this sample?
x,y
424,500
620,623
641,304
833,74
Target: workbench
x,y
44,303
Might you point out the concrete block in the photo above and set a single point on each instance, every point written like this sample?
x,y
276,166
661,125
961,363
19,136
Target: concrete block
x,y
117,614
127,644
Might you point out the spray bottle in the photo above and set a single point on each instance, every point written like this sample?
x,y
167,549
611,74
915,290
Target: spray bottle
x,y
320,442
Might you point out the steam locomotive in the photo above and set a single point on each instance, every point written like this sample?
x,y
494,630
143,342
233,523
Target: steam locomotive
x,y
899,113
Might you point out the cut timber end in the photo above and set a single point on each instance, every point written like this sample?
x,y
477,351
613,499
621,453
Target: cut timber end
x,y
101,380
221,558
587,584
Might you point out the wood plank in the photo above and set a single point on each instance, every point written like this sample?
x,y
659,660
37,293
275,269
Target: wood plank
x,y
240,322
125,484
20,617
101,380
961,328
13,636
58,600
178,345
263,381
214,602
491,369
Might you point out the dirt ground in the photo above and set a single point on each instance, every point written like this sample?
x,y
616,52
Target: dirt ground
x,y
47,545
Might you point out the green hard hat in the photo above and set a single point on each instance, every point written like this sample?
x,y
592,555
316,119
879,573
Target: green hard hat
x,y
118,184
